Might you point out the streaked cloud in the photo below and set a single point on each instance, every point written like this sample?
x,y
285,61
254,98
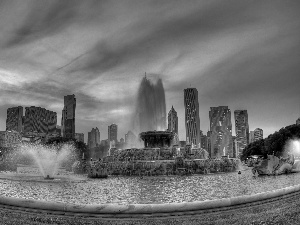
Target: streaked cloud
x,y
244,54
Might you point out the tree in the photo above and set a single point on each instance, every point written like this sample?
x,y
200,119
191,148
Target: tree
x,y
273,144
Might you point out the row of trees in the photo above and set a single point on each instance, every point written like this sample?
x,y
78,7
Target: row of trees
x,y
273,144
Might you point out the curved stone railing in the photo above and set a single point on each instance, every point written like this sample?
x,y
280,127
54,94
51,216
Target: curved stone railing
x,y
146,208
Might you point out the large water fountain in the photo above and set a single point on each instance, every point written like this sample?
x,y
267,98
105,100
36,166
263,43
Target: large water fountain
x,y
150,113
47,158
38,162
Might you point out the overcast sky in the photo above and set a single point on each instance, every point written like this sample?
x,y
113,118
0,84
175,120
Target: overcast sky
x,y
241,54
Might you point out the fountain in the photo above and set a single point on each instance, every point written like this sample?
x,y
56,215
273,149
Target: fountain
x,y
48,159
150,113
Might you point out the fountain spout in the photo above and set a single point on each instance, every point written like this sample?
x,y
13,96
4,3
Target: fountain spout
x,y
48,177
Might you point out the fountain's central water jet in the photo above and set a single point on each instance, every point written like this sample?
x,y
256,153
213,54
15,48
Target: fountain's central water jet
x,y
150,111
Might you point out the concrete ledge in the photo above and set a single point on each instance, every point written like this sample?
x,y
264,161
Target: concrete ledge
x,y
146,208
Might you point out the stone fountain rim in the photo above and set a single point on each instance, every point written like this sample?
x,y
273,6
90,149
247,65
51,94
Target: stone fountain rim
x,y
113,208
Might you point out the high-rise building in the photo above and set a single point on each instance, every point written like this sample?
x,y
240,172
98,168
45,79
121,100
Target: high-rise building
x,y
79,137
258,134
104,142
192,120
235,147
68,117
251,136
58,130
208,135
298,121
14,119
113,133
93,138
39,120
10,138
204,143
241,129
221,128
173,121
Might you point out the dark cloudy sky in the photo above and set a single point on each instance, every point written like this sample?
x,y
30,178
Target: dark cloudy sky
x,y
241,54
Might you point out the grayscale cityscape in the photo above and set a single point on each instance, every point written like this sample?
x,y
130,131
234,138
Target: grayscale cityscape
x,y
149,112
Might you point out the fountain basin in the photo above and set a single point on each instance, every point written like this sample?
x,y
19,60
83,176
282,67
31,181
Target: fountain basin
x,y
80,190
37,178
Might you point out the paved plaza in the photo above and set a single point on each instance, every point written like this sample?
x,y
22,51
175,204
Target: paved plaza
x,y
281,210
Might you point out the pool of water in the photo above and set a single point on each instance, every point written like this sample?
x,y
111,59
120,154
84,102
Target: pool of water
x,y
157,189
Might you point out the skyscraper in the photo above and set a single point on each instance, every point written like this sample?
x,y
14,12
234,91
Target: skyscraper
x,y
241,129
258,134
192,120
251,136
68,117
10,138
221,128
39,120
113,133
204,143
14,119
173,121
93,138
208,141
234,147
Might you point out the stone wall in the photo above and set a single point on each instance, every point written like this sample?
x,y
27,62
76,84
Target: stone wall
x,y
179,166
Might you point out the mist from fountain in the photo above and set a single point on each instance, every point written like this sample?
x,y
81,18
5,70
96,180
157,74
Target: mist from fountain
x,y
47,158
150,113
293,146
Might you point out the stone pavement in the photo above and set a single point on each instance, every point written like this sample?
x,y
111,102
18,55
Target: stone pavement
x,y
281,210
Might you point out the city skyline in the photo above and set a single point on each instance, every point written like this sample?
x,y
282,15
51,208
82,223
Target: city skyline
x,y
240,54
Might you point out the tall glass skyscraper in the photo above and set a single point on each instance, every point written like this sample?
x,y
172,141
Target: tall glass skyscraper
x,y
192,120
241,129
68,117
221,132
